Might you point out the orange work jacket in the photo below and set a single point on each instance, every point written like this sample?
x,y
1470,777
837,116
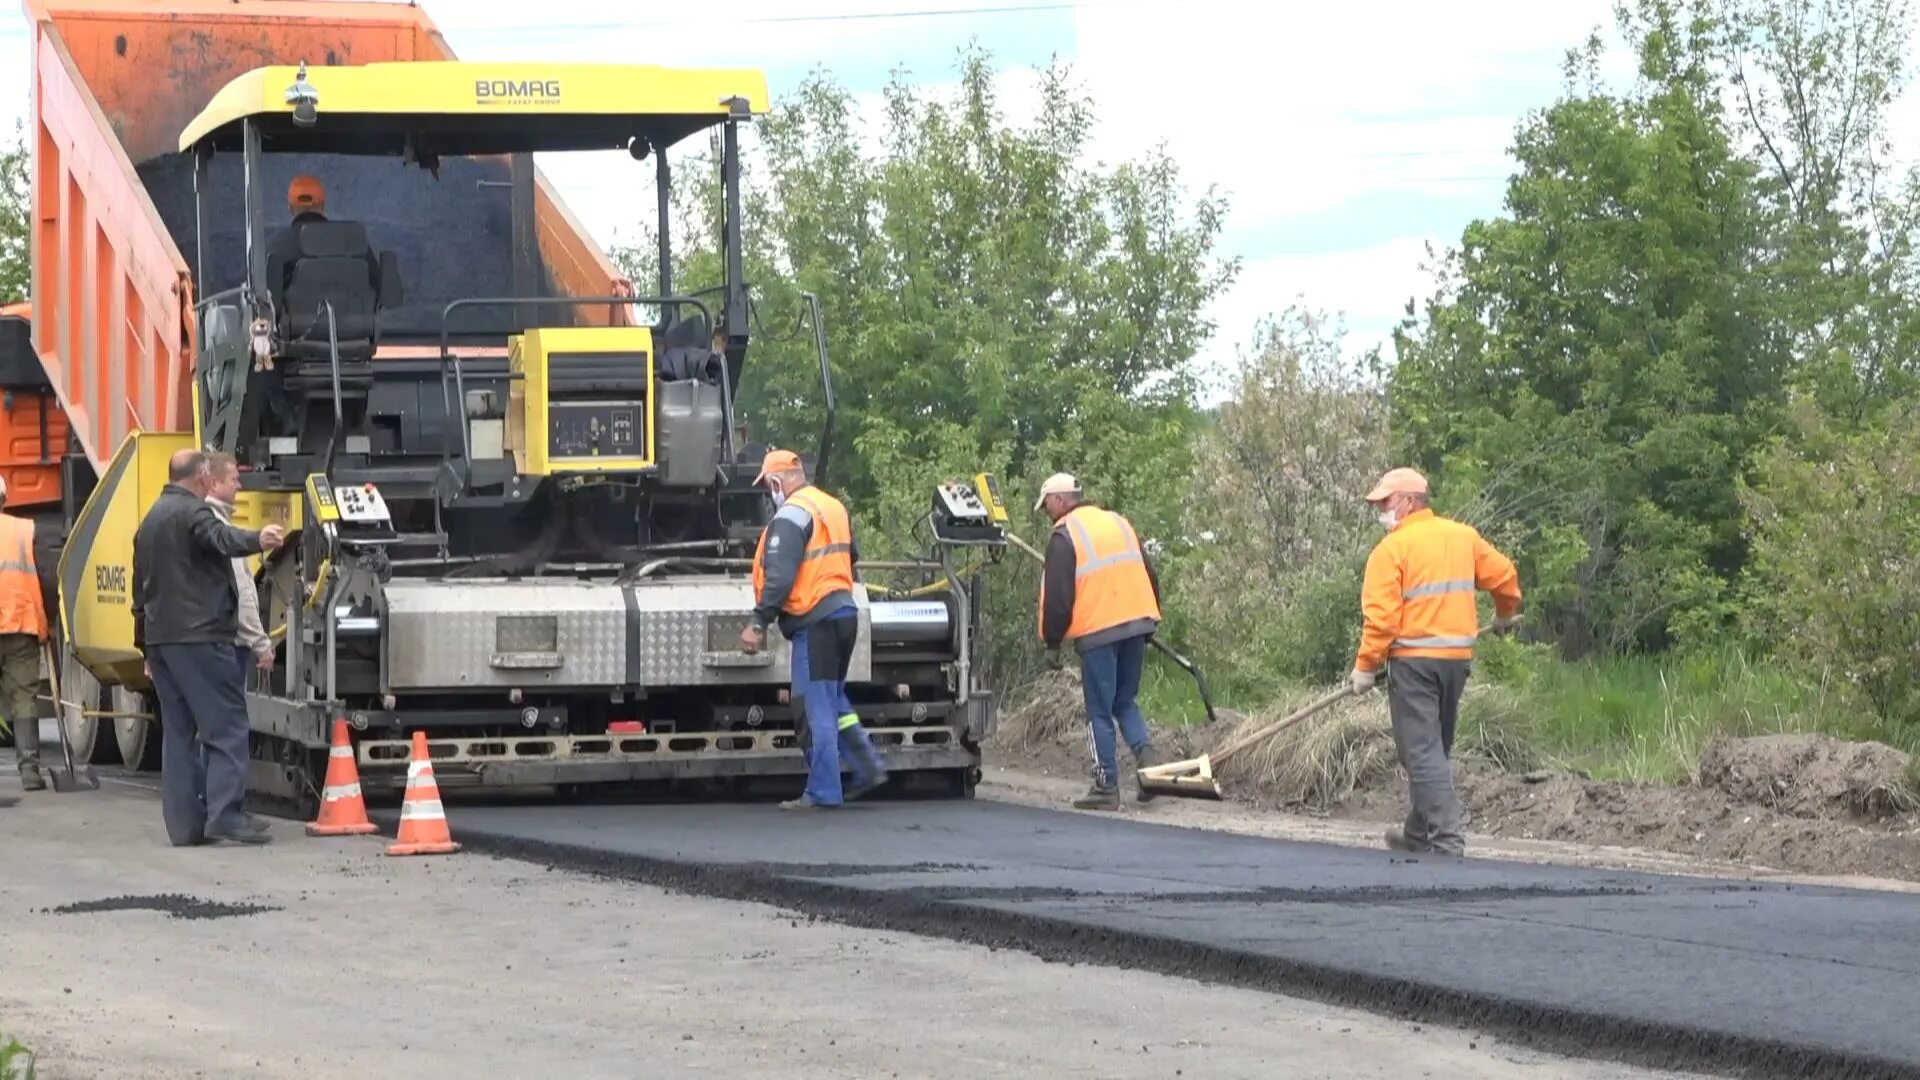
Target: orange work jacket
x,y
1418,596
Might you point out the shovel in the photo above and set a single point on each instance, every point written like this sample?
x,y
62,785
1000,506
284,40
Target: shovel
x,y
71,778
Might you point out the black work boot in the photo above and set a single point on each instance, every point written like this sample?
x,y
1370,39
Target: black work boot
x,y
31,778
1146,758
1098,797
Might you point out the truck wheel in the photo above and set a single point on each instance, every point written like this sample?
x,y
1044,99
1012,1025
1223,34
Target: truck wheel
x,y
81,693
961,782
138,739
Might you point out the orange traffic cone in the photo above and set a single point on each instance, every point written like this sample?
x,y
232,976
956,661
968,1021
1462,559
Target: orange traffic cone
x,y
342,811
423,821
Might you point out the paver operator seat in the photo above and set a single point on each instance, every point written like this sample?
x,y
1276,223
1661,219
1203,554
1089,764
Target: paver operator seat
x,y
314,262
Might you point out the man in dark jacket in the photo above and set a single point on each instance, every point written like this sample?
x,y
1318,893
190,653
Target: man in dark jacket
x,y
185,617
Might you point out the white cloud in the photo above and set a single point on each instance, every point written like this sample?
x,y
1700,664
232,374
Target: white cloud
x,y
1297,111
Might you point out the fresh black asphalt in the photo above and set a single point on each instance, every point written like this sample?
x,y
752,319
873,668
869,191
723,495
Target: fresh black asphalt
x,y
1730,977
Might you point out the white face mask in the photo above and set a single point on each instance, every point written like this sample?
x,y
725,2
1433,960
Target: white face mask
x,y
1388,520
779,497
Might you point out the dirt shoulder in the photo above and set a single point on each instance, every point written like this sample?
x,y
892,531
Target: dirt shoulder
x,y
320,957
1785,807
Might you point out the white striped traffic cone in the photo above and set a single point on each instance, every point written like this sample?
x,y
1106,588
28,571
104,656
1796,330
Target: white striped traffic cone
x,y
342,811
423,821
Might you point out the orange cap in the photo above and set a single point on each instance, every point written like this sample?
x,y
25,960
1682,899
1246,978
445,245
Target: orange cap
x,y
776,461
305,193
1398,482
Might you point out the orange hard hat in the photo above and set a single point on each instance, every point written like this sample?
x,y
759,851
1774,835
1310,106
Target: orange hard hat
x,y
1398,482
776,461
305,193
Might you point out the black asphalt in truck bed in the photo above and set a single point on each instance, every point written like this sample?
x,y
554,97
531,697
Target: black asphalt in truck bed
x,y
1730,977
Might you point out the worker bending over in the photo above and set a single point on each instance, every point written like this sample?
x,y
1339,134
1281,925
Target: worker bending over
x,y
803,578
1098,590
1420,625
23,630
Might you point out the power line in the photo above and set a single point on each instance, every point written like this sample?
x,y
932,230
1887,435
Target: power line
x,y
822,17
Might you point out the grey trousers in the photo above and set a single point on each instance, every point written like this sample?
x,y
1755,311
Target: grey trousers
x,y
204,787
19,689
1424,699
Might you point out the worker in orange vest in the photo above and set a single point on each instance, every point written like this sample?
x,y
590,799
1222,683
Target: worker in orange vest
x,y
23,630
803,579
1099,590
1421,622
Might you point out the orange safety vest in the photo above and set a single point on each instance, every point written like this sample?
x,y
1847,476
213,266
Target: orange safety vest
x,y
827,565
1419,593
1110,582
22,610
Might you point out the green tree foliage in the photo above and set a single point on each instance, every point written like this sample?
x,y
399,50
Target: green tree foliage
x,y
1836,565
16,276
1279,533
1600,363
993,301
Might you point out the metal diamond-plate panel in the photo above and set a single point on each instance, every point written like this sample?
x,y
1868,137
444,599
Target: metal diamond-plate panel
x,y
689,630
441,634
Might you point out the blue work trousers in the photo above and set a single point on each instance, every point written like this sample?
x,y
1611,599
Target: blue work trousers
x,y
1110,681
833,728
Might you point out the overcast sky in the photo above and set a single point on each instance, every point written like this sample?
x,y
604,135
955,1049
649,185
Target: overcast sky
x,y
1347,135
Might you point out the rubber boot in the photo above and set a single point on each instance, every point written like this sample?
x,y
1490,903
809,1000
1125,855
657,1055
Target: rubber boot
x,y
31,778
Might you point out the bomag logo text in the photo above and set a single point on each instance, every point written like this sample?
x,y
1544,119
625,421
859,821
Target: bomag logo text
x,y
110,583
516,91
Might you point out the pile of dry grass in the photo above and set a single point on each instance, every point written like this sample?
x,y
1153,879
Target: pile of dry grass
x,y
1319,762
1052,708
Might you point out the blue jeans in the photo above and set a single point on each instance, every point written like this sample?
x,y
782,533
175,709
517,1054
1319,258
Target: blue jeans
x,y
1110,680
833,728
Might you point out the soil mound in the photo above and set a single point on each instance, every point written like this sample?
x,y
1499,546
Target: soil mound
x,y
1811,776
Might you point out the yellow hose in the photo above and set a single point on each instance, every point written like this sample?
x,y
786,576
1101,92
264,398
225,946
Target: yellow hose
x,y
928,589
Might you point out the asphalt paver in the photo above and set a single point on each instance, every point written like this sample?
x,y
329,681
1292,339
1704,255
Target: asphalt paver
x,y
1725,976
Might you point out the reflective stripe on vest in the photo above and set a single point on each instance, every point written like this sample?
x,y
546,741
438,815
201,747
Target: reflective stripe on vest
x,y
1436,642
1111,586
1438,588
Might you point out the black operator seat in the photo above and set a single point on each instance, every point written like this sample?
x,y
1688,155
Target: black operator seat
x,y
332,262
685,351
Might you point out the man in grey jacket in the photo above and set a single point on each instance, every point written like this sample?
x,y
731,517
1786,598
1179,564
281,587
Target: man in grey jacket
x,y
185,620
252,645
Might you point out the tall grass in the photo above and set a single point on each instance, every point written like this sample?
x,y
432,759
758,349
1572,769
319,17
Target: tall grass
x,y
1646,720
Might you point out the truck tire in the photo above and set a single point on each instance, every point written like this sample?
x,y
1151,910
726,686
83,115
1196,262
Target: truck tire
x,y
80,693
138,739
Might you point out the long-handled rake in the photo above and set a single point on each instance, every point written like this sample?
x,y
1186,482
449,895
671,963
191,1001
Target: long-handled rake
x,y
1193,778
